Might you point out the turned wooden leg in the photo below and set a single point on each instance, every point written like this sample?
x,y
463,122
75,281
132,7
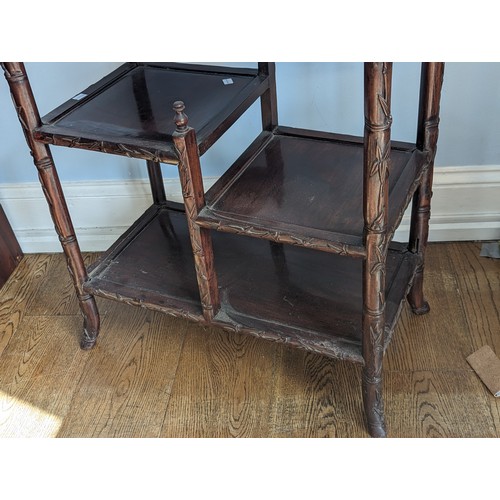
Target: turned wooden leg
x,y
194,199
29,118
427,136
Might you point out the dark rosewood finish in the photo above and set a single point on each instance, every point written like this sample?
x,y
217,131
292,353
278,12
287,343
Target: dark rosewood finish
x,y
315,268
427,136
269,99
341,195
29,118
278,292
129,111
305,191
194,198
377,158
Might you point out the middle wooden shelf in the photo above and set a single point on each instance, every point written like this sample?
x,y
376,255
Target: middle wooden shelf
x,y
305,188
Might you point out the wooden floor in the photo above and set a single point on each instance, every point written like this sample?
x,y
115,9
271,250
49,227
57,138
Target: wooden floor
x,y
155,376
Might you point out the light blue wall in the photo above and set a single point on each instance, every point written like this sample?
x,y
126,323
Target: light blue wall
x,y
470,121
322,96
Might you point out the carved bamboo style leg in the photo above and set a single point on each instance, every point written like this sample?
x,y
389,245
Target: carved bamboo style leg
x,y
194,199
29,117
427,135
377,148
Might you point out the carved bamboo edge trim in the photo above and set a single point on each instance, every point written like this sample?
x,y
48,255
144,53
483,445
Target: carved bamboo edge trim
x,y
106,147
223,321
286,237
328,349
176,312
411,192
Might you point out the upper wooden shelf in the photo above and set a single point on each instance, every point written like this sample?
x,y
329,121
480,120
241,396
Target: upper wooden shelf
x,y
305,188
129,112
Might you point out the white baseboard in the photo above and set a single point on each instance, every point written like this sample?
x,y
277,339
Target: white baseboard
x,y
465,206
100,210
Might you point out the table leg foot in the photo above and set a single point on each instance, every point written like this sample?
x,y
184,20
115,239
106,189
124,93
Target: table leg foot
x,y
91,323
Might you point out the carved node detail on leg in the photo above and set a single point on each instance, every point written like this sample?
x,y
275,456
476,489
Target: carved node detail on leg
x,y
415,297
91,323
374,405
377,430
88,339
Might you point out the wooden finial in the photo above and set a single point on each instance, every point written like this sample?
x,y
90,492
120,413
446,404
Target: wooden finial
x,y
181,119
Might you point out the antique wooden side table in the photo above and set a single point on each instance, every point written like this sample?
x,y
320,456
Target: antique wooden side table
x,y
328,279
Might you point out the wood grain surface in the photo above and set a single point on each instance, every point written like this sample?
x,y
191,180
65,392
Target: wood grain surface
x,y
51,298
225,383
17,292
151,375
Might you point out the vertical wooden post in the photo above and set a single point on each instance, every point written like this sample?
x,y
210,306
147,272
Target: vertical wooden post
x,y
29,117
156,182
194,199
377,150
269,114
268,100
427,135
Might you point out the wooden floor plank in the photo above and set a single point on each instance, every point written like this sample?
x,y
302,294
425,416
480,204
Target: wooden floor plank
x,y
18,291
56,293
437,404
420,341
40,370
224,383
315,396
478,280
127,381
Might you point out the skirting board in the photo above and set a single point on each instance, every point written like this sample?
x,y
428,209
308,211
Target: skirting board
x,y
465,206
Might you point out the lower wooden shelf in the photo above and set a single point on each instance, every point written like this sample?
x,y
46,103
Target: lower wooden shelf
x,y
301,297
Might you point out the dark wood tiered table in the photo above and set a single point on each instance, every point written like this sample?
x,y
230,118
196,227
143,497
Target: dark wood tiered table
x,y
292,244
